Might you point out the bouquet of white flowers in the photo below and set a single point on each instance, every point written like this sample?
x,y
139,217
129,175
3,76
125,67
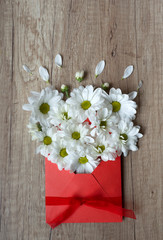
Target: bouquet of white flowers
x,y
89,127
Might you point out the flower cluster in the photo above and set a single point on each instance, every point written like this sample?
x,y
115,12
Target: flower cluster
x,y
90,126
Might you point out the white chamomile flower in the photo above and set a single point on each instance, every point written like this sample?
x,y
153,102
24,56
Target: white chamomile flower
x,y
127,137
121,104
41,104
103,122
60,114
104,148
35,128
76,134
91,126
47,139
83,161
79,76
85,100
61,154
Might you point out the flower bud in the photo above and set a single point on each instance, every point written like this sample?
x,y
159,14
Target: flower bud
x,y
105,86
79,76
64,88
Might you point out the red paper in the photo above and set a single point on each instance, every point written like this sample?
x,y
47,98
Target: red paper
x,y
104,182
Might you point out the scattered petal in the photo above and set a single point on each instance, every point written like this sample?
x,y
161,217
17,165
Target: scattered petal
x,y
132,95
99,68
140,85
44,73
58,60
128,71
26,68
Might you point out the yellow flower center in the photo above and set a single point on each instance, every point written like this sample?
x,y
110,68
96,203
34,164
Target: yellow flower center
x,y
65,116
85,105
76,135
123,136
63,152
103,124
100,148
44,108
47,140
39,127
116,106
83,160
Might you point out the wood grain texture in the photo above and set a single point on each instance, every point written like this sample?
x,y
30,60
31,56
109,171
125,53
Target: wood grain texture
x,y
84,32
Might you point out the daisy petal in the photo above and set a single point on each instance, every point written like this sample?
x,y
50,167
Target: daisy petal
x,y
27,107
99,68
139,85
44,73
128,71
132,95
26,68
58,60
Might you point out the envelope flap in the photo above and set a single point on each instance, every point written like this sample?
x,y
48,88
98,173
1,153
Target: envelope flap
x,y
68,184
109,173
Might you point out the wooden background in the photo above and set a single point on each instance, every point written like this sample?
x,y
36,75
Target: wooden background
x,y
84,31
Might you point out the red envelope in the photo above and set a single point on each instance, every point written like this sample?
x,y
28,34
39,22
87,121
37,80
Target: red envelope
x,y
75,198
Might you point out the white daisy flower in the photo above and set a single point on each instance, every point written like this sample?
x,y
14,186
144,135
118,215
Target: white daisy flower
x,y
104,148
41,104
83,161
127,137
121,104
76,134
89,127
60,114
61,154
35,128
103,122
85,100
47,140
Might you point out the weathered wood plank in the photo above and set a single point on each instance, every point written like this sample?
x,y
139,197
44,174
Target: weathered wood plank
x,y
6,70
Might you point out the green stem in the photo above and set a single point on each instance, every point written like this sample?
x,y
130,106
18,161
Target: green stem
x,y
79,79
67,94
